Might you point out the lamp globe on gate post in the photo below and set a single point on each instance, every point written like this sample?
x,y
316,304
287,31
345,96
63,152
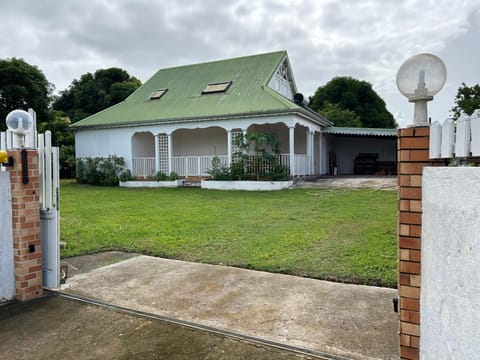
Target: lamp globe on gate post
x,y
419,79
20,123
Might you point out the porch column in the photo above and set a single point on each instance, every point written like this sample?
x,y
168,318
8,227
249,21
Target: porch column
x,y
320,153
157,155
291,142
229,147
169,153
309,152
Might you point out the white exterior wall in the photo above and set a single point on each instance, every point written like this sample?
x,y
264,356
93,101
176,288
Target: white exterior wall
x,y
143,144
7,278
347,148
105,142
211,141
450,295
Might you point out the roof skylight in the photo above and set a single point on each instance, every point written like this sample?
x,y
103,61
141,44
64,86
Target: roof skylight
x,y
157,94
218,87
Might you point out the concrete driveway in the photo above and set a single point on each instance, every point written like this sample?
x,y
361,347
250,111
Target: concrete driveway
x,y
350,321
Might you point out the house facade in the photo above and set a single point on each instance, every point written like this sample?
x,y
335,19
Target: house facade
x,y
183,117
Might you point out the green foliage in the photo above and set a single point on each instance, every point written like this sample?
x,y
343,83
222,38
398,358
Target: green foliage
x,y
160,176
125,175
173,176
99,171
219,171
355,96
95,92
23,86
62,137
339,116
257,159
467,100
342,235
259,156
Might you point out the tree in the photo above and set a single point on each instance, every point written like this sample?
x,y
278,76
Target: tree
x,y
62,137
23,86
356,96
339,116
467,100
95,92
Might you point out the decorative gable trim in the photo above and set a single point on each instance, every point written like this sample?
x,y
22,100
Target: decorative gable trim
x,y
282,80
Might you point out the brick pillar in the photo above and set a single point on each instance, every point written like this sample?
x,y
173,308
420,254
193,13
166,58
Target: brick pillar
x,y
413,155
26,227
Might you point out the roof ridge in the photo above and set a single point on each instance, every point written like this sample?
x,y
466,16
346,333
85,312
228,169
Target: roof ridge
x,y
222,60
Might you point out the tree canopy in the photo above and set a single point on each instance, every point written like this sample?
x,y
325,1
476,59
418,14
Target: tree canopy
x,y
23,86
467,100
95,92
350,95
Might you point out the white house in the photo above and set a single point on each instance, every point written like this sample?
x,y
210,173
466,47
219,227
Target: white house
x,y
183,117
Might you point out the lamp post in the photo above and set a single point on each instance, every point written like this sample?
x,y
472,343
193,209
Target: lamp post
x,y
20,123
419,78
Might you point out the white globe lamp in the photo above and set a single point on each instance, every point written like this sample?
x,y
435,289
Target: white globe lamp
x,y
20,123
419,78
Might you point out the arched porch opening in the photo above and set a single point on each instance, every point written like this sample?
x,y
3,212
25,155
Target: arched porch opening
x,y
194,149
143,154
297,146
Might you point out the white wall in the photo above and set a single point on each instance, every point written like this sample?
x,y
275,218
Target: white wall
x,y
7,279
347,149
143,144
211,141
105,142
450,295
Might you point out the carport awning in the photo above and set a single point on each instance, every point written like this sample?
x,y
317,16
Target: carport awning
x,y
360,131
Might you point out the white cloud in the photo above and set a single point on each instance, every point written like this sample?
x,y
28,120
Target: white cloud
x,y
366,39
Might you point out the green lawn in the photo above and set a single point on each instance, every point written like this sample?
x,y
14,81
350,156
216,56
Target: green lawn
x,y
341,235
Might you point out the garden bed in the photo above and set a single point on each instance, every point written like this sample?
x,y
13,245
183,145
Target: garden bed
x,y
246,185
152,183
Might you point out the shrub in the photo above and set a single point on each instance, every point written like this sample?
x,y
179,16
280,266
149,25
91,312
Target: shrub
x,y
160,176
173,176
218,171
99,171
126,176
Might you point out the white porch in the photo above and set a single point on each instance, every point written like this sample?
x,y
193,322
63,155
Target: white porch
x,y
189,152
199,165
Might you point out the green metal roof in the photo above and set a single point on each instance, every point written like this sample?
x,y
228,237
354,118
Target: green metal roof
x,y
248,95
352,131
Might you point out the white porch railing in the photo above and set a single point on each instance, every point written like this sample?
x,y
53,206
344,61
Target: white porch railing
x,y
460,140
143,166
302,164
195,165
199,165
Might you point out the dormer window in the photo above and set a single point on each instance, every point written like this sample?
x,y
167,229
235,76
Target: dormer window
x,y
157,94
219,87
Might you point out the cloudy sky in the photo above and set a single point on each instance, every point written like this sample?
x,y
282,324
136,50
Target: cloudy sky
x,y
365,39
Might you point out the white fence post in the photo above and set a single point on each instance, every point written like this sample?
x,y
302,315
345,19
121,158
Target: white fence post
x,y
462,136
447,139
475,132
435,140
461,140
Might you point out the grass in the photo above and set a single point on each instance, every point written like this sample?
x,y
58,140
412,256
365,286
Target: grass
x,y
340,235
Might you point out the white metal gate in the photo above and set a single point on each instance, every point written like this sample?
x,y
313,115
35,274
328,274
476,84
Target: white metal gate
x,y
48,163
